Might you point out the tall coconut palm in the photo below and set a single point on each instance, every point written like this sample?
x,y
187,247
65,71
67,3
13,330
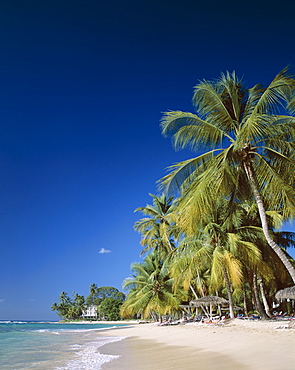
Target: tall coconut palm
x,y
262,273
271,264
79,303
64,298
245,143
157,227
55,307
150,289
93,291
219,247
64,305
189,266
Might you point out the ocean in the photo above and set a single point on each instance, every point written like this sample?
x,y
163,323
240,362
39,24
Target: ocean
x,y
53,346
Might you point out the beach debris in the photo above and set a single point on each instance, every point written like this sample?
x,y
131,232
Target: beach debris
x,y
289,325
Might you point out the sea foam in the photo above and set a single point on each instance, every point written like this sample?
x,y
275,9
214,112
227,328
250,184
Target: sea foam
x,y
88,357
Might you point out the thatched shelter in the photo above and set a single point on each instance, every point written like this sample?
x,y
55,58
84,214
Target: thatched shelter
x,y
208,301
287,293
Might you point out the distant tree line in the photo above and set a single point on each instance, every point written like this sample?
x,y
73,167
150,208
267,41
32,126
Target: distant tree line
x,y
108,302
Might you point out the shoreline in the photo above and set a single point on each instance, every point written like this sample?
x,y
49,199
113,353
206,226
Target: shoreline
x,y
120,322
241,344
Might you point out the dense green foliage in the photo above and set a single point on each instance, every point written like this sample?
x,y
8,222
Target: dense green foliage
x,y
215,230
69,308
110,308
97,295
107,301
151,289
246,138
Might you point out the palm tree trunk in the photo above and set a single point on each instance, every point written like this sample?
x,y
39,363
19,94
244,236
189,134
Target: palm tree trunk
x,y
257,300
170,246
290,268
264,300
200,283
245,301
194,292
229,293
218,306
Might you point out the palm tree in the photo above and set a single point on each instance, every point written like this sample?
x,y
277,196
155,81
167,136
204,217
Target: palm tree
x,y
79,303
150,289
64,305
157,227
251,230
64,298
189,266
93,290
54,307
219,248
250,137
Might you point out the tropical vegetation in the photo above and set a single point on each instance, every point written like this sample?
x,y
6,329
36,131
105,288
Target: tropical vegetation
x,y
106,300
215,229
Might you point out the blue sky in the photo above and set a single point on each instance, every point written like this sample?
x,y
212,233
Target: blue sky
x,y
83,85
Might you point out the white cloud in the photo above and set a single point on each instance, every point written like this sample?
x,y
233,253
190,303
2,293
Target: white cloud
x,y
2,300
102,251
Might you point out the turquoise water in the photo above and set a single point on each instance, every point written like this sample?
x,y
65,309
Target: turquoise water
x,y
59,346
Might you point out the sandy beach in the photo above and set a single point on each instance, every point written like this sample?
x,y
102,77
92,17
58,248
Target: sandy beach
x,y
241,345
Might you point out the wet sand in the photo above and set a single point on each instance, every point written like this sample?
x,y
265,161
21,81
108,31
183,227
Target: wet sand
x,y
241,345
140,354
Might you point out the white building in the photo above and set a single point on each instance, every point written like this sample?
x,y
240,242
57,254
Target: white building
x,y
90,312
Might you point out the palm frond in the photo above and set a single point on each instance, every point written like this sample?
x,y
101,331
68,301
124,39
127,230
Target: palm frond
x,y
278,91
208,100
189,130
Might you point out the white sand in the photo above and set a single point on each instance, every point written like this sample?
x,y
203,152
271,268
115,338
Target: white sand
x,y
256,345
